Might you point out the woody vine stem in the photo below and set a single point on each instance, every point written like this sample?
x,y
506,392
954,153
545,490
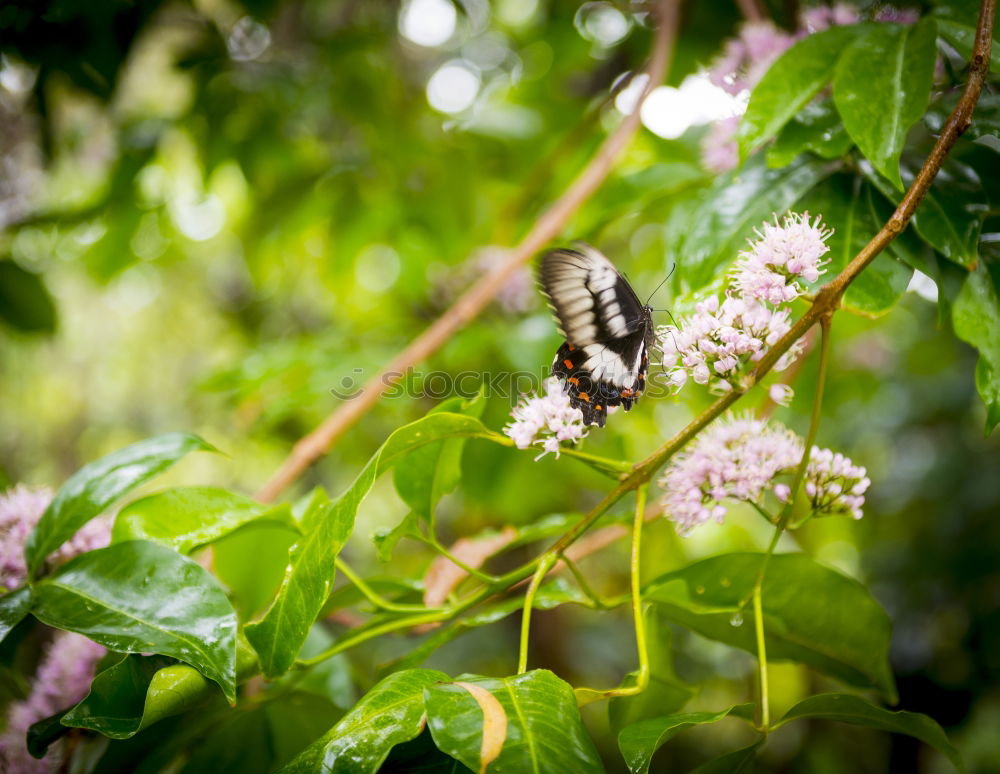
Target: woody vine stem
x,y
824,305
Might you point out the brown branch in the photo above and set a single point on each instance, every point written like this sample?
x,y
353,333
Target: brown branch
x,y
752,10
466,308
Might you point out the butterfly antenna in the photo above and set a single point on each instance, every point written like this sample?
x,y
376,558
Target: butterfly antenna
x,y
665,279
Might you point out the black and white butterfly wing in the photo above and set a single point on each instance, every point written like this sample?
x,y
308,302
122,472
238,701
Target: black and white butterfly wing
x,y
608,331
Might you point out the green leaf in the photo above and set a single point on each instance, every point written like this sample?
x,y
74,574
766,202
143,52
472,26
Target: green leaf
x,y
818,129
45,732
639,741
532,724
25,303
390,713
837,628
141,597
962,36
735,205
843,201
251,562
96,486
279,634
187,517
976,318
136,692
737,762
790,83
949,216
847,708
14,606
882,87
435,469
665,693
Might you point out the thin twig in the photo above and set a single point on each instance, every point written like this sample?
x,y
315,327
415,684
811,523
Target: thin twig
x,y
469,305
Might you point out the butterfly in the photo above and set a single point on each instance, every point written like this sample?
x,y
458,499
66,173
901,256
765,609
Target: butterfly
x,y
608,331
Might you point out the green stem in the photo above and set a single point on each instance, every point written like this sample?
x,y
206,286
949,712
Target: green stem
x,y
544,565
758,625
584,584
373,596
786,512
434,543
642,680
770,517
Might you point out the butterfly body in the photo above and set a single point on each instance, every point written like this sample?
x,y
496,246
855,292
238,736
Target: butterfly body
x,y
608,331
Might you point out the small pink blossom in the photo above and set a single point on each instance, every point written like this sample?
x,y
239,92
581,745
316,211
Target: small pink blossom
x,y
546,420
20,509
719,340
719,152
781,394
62,680
834,484
782,254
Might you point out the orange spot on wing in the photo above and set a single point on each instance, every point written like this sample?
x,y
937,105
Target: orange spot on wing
x,y
571,347
584,396
574,381
599,408
568,363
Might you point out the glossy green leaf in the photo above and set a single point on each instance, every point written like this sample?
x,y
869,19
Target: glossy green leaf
x,y
432,471
847,708
843,201
279,634
882,86
25,303
187,517
733,207
535,724
135,693
790,83
251,562
14,606
737,762
390,713
665,694
948,218
816,128
976,318
962,36
45,732
837,628
96,486
638,742
142,597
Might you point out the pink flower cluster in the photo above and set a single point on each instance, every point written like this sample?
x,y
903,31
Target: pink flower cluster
x,y
742,458
719,340
746,57
716,343
62,680
734,459
821,17
782,253
835,485
546,420
20,509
